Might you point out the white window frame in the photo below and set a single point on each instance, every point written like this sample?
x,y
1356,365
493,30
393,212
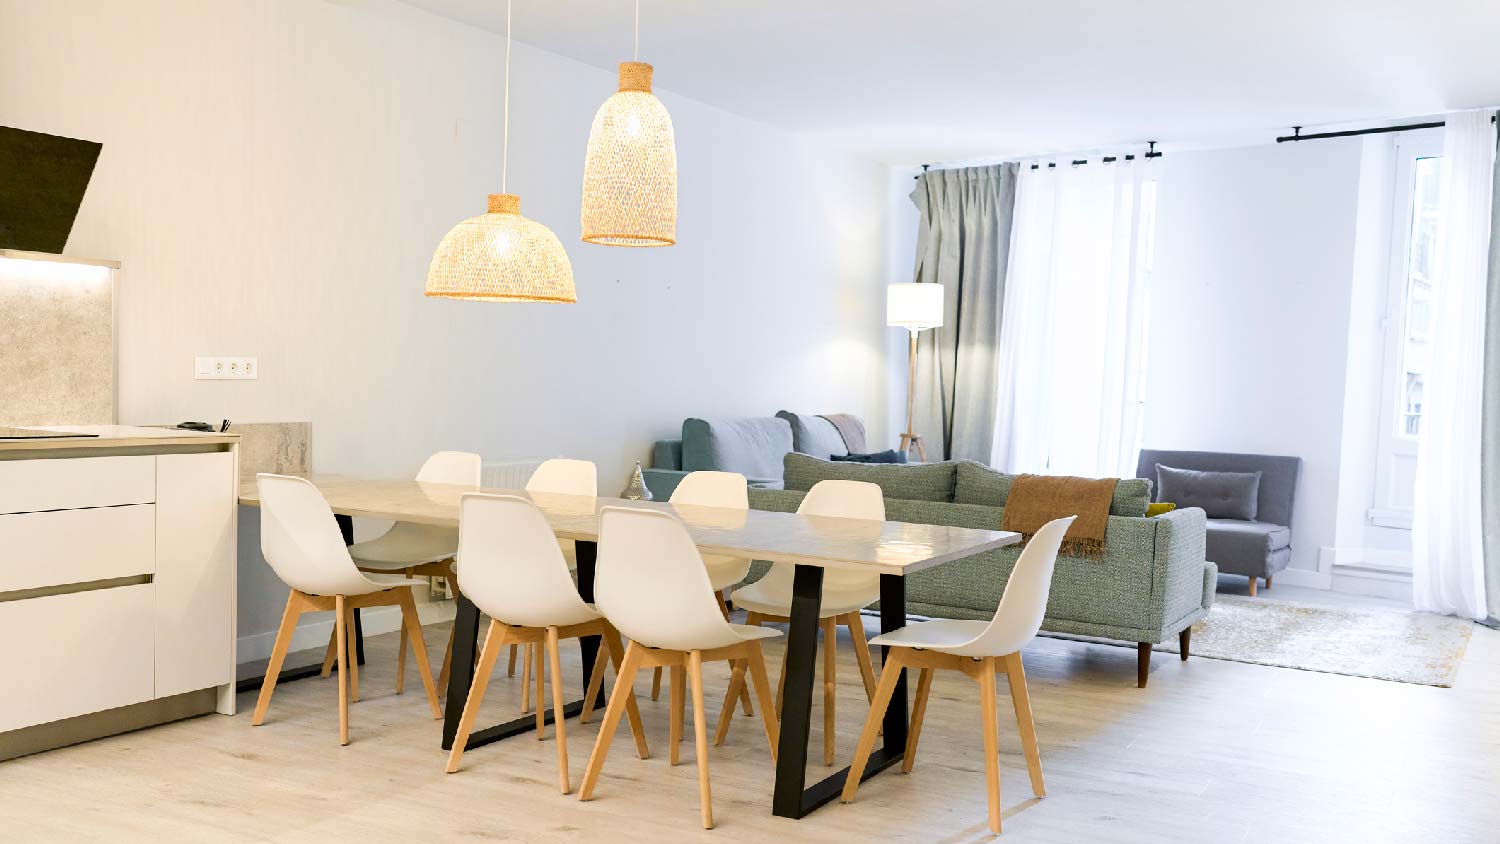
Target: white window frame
x,y
1385,511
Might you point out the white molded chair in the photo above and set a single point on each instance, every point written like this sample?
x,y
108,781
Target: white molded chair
x,y
557,476
509,565
845,593
415,550
301,541
980,650
730,491
652,586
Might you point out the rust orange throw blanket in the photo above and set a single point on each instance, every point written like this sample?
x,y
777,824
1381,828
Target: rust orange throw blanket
x,y
1038,499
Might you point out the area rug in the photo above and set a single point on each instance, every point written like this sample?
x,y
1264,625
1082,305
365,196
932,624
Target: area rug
x,y
1405,647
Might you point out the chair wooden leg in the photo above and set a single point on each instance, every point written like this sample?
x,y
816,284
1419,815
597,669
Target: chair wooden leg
x,y
1142,663
700,738
991,740
413,628
918,712
677,703
330,655
1185,642
723,605
889,674
830,689
1252,586
861,652
537,663
617,703
737,686
656,683
492,641
762,684
353,646
510,669
596,682
447,658
559,719
341,621
632,710
1020,698
401,661
284,633
525,678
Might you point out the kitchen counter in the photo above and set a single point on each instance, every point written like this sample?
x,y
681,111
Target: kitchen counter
x,y
113,436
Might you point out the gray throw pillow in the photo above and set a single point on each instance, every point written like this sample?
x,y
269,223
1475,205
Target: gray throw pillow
x,y
1222,495
814,435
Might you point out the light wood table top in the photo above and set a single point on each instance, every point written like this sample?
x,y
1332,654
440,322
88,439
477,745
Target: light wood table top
x,y
108,436
882,547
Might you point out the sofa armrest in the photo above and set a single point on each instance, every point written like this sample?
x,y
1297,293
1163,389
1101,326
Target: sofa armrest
x,y
1178,579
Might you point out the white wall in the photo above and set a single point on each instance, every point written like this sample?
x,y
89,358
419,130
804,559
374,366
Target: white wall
x,y
1250,303
277,173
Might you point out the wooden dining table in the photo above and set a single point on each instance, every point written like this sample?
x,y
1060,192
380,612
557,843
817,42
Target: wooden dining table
x,y
810,543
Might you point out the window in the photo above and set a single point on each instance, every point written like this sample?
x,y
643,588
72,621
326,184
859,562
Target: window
x,y
1416,340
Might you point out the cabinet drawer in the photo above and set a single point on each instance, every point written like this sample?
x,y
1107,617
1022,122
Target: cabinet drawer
x,y
28,486
72,654
76,546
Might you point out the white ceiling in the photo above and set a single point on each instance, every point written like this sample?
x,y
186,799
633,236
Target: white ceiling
x,y
944,80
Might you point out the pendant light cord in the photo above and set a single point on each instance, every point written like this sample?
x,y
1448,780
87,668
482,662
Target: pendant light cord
x,y
637,30
505,132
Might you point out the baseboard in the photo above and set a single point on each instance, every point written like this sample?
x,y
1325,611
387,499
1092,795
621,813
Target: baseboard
x,y
314,634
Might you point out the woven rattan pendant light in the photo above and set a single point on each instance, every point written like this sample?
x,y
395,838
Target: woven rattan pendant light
x,y
501,256
630,173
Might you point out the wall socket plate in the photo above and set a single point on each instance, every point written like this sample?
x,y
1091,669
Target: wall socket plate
x,y
222,368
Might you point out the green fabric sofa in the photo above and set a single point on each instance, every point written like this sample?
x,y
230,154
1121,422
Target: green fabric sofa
x,y
1153,582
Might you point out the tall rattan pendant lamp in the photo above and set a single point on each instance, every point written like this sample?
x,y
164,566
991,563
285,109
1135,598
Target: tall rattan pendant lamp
x,y
630,172
501,256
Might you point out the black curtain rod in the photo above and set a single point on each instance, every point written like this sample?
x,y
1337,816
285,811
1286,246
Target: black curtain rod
x,y
1077,162
1351,133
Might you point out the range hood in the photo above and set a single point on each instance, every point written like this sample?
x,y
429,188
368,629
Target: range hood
x,y
42,182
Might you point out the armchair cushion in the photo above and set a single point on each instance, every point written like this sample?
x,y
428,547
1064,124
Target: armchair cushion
x,y
1222,495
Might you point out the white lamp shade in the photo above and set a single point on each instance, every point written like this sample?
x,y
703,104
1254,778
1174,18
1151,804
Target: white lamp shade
x,y
914,306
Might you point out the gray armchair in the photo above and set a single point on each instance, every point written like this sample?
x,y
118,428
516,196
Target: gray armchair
x,y
1255,548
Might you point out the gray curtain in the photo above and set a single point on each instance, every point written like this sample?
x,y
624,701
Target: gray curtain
x,y
963,243
1489,460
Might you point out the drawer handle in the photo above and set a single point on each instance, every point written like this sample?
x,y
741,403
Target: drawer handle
x,y
73,588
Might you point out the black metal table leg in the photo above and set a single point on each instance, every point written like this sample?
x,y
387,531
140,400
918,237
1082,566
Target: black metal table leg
x,y
792,799
461,671
346,527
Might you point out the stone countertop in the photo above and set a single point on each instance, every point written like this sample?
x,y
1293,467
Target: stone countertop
x,y
112,436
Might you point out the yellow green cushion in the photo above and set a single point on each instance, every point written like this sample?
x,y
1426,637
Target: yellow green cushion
x,y
1153,510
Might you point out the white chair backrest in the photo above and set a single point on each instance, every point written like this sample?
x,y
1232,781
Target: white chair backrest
x,y
838,499
452,467
729,490
651,583
301,540
1024,602
562,476
509,563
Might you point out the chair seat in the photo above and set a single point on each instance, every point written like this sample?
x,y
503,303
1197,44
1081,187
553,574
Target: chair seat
x,y
757,598
725,571
582,614
380,583
943,635
406,545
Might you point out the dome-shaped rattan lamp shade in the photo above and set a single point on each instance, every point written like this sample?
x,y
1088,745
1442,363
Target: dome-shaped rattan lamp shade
x,y
501,257
630,174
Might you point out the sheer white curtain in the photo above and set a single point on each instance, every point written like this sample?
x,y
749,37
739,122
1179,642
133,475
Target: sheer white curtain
x,y
1447,533
1073,331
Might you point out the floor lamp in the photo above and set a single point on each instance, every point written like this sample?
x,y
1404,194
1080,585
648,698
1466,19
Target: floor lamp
x,y
914,307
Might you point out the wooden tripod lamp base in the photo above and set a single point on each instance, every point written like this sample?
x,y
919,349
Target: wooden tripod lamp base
x,y
914,307
913,442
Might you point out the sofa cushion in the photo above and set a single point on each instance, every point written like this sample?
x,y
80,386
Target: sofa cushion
x,y
914,482
814,435
1222,495
752,447
979,484
666,454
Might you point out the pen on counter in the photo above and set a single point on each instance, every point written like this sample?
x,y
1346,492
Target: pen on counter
x,y
224,427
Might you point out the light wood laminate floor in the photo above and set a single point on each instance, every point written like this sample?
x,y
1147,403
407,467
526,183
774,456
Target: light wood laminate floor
x,y
1210,751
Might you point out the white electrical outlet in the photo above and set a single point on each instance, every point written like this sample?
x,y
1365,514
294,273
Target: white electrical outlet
x,y
216,368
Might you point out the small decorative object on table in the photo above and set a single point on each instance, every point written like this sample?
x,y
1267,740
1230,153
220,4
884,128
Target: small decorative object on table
x,y
637,491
